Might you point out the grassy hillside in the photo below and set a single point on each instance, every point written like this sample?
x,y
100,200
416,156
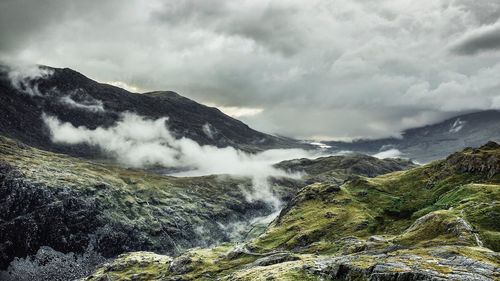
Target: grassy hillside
x,y
74,213
389,204
434,222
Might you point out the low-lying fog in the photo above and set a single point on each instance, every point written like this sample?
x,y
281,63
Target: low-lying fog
x,y
139,142
136,141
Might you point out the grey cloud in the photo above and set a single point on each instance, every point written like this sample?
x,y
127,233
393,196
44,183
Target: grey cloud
x,y
484,12
270,25
484,39
25,21
91,105
350,68
25,78
139,142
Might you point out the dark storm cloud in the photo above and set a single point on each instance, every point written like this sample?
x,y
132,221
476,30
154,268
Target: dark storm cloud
x,y
350,68
485,39
22,21
483,12
19,21
271,25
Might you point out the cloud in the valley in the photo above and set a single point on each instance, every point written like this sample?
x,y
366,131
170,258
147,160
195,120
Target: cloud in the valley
x,y
139,142
390,153
299,68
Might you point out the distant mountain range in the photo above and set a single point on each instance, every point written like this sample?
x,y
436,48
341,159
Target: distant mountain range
x,y
74,98
431,142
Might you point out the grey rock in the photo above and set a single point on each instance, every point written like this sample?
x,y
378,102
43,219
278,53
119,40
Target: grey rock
x,y
275,259
181,265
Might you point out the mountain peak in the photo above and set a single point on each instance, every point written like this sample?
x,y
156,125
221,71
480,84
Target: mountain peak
x,y
490,146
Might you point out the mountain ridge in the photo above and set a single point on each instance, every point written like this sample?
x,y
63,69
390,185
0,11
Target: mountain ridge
x,y
74,98
433,141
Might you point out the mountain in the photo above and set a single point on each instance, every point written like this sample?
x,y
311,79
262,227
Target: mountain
x,y
436,141
58,213
337,167
68,213
73,205
25,95
433,222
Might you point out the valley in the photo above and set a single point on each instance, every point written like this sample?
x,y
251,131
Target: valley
x,y
435,222
98,183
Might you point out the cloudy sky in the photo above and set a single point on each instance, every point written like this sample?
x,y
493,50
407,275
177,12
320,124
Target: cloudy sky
x,y
309,69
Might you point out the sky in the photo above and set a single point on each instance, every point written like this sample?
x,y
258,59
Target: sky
x,y
317,69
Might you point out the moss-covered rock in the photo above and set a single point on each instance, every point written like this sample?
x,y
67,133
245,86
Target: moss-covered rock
x,y
337,168
435,222
389,204
69,204
434,263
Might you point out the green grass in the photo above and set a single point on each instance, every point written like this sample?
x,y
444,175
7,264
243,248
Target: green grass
x,y
427,209
390,204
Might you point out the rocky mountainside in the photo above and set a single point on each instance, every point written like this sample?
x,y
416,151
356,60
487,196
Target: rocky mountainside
x,y
70,96
436,141
60,216
67,212
434,222
72,205
338,167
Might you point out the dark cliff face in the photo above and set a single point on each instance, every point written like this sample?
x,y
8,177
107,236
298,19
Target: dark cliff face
x,y
34,216
72,205
102,106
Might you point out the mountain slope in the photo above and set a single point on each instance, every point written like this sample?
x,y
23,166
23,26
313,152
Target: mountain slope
x,y
98,211
340,167
436,141
434,222
74,98
390,203
72,205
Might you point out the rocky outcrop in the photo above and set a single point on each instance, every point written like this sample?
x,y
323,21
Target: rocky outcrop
x,y
181,265
140,266
33,215
275,259
49,264
346,165
477,160
442,263
440,227
71,206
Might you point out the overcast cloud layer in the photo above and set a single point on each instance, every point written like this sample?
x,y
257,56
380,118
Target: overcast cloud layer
x,y
315,68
